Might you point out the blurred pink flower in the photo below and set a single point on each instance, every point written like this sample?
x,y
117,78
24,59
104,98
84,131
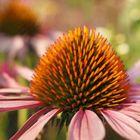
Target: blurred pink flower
x,y
18,46
18,24
88,112
22,33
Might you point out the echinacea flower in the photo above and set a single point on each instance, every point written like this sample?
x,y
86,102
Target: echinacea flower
x,y
82,77
18,24
21,30
18,18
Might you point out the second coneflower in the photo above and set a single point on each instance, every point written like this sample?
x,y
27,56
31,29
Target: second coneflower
x,y
17,18
81,76
19,23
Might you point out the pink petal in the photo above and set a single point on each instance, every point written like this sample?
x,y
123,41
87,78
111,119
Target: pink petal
x,y
30,122
11,45
15,105
10,98
123,125
134,93
14,90
131,114
135,89
7,81
86,125
8,69
34,130
40,44
17,44
24,72
134,72
135,98
134,107
15,94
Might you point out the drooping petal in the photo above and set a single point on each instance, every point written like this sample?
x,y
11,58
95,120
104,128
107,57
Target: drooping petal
x,y
133,107
15,94
135,89
134,72
134,93
123,124
15,105
24,72
40,44
75,126
86,125
14,90
7,81
135,97
11,45
131,114
10,98
33,119
34,130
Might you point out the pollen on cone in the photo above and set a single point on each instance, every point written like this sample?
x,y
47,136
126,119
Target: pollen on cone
x,y
80,70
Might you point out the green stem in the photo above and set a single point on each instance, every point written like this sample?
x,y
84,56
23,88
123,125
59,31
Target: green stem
x,y
22,117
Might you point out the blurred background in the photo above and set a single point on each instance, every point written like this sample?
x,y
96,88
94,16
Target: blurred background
x,y
28,27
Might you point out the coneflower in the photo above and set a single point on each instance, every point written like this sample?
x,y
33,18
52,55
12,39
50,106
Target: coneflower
x,y
19,24
17,18
81,76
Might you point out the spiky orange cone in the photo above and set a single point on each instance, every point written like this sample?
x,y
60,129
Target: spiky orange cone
x,y
80,70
